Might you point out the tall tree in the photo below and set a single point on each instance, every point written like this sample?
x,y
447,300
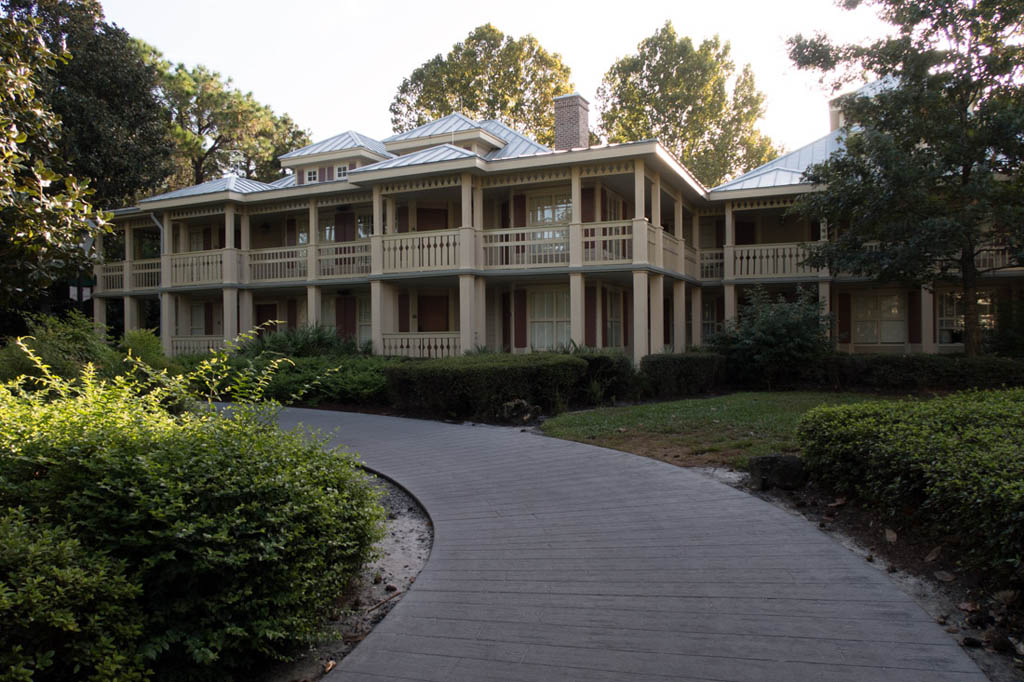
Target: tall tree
x,y
680,94
930,180
488,75
44,217
258,156
114,131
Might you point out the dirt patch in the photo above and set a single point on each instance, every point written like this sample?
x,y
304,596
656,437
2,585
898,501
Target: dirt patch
x,y
674,450
381,584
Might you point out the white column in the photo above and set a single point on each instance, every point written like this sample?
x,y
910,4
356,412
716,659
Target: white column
x,y
166,249
640,254
825,296
166,321
577,308
246,234
129,256
695,238
656,200
229,226
576,223
640,337
928,321
377,316
657,312
730,246
230,312
730,302
478,207
245,311
312,250
678,316
389,215
696,316
467,236
131,311
480,314
99,314
377,249
599,321
313,299
467,310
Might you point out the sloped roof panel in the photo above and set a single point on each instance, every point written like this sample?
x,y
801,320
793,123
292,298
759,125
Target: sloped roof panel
x,y
516,144
452,123
442,152
286,181
789,168
230,183
350,139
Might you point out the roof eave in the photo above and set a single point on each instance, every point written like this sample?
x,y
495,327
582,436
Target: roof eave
x,y
731,194
295,161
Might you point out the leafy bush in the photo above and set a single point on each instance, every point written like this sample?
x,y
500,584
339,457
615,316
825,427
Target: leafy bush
x,y
671,376
301,342
64,607
64,344
477,386
953,463
238,536
609,377
1008,336
145,345
770,339
351,380
914,372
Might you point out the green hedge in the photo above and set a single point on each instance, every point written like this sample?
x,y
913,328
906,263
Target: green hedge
x,y
609,377
477,386
954,463
671,376
349,380
915,372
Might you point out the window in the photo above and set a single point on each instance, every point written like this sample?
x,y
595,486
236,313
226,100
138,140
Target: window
x,y
951,315
364,225
613,319
612,206
341,172
197,319
549,319
879,319
312,176
549,209
365,333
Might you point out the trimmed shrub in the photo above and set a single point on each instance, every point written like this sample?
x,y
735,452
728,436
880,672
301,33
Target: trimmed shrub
x,y
301,342
915,372
953,464
477,386
683,374
144,345
66,611
64,344
609,377
351,380
239,536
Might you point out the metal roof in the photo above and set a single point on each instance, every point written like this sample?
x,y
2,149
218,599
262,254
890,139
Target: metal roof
x,y
350,139
230,183
286,181
516,144
789,168
437,154
452,123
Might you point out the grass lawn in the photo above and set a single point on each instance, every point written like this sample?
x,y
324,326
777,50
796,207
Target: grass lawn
x,y
720,431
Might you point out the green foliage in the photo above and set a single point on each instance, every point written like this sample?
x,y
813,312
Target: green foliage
x,y
772,340
672,376
301,342
898,373
145,345
65,344
488,76
953,463
238,536
64,607
44,217
349,380
679,94
1008,336
931,173
476,387
609,377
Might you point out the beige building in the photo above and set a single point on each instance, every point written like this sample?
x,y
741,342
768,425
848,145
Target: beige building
x,y
464,234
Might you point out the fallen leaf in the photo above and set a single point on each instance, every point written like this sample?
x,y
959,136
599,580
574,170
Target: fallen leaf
x,y
329,665
840,501
945,576
890,536
968,606
1007,596
933,555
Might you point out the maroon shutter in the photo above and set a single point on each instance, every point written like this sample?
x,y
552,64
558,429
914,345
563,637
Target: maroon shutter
x,y
587,209
627,318
290,233
745,233
844,314
207,239
345,316
914,317
346,227
627,210
815,231
505,218
719,234
604,200
293,314
321,173
520,314
720,309
604,317
402,219
208,318
590,316
506,321
300,176
519,210
330,173
403,312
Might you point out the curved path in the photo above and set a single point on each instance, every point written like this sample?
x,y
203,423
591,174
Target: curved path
x,y
558,561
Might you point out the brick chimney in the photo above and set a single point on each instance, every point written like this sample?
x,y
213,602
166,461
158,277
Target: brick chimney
x,y
572,129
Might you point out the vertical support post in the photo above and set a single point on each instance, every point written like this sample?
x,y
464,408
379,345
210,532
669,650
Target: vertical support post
x,y
230,256
166,249
657,312
678,316
377,316
640,336
246,233
639,217
389,216
467,236
576,223
478,207
245,317
467,310
928,321
131,311
99,314
730,302
577,308
656,200
229,226
230,312
695,238
313,248
313,299
677,232
378,211
696,316
599,321
167,321
480,314
377,254
129,256
729,265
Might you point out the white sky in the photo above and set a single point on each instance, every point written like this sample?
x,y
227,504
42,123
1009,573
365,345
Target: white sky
x,y
335,65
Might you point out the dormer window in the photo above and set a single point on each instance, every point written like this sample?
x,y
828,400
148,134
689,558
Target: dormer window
x,y
311,176
341,172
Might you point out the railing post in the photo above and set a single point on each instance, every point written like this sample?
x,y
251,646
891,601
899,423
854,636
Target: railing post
x,y
313,247
166,247
575,245
376,254
639,241
467,248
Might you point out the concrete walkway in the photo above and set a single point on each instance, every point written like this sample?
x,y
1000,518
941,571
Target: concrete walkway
x,y
560,561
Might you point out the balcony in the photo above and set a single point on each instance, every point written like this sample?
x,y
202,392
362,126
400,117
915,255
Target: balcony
x,y
195,344
422,344
420,251
201,267
277,264
529,247
769,261
608,242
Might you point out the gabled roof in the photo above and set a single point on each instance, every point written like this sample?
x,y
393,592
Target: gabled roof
x,y
452,123
516,144
437,154
789,168
286,181
348,140
230,183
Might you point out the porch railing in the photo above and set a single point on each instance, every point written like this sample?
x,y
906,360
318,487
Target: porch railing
x,y
670,257
277,264
344,259
691,262
112,276
146,273
195,344
412,252
206,267
712,264
993,257
422,345
608,242
770,260
525,247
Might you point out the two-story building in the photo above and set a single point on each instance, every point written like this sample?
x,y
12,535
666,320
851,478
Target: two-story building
x,y
463,234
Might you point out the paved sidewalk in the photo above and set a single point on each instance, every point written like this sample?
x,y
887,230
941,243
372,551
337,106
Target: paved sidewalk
x,y
561,561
